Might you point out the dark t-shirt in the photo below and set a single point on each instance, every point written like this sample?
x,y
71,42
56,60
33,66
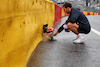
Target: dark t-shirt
x,y
78,17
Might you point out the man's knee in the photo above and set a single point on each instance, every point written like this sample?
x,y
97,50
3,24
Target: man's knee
x,y
71,25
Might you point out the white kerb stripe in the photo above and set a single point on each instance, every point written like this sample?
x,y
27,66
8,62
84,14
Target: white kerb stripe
x,y
95,31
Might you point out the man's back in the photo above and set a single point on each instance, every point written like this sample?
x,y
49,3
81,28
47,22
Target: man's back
x,y
79,16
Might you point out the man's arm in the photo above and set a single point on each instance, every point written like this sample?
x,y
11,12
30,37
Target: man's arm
x,y
56,33
59,30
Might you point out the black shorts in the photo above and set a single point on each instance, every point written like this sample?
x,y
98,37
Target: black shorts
x,y
84,28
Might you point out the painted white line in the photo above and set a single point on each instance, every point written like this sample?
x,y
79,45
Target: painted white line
x,y
95,31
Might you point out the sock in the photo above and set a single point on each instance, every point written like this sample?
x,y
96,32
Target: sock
x,y
80,35
65,26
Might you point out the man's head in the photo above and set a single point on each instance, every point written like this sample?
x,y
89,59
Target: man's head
x,y
67,7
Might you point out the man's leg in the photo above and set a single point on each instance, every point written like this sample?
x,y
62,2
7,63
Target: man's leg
x,y
74,28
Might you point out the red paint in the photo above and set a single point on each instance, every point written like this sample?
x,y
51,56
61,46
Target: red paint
x,y
98,13
58,13
82,11
88,13
93,13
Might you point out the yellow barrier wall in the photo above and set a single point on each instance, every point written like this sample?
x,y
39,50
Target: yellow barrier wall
x,y
63,14
84,12
21,23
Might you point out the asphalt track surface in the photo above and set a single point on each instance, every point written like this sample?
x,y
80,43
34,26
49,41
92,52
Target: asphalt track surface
x,y
64,53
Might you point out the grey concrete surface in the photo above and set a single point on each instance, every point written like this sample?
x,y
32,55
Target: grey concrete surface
x,y
64,53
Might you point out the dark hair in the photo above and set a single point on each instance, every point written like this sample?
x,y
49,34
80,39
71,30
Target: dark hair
x,y
66,4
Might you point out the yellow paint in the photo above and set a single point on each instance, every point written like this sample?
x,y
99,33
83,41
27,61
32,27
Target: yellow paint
x,y
21,23
63,14
84,12
95,13
91,13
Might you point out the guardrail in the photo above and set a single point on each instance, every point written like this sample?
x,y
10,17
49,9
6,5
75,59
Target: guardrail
x,y
21,24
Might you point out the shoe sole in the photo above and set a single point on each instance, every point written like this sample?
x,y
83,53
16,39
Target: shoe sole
x,y
80,42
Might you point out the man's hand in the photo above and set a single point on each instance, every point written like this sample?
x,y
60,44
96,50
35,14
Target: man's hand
x,y
56,33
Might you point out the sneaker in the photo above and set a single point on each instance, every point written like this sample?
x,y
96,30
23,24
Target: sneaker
x,y
76,38
79,40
